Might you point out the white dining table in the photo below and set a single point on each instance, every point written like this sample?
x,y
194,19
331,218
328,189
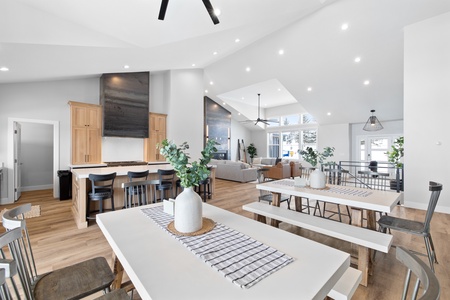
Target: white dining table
x,y
358,199
160,267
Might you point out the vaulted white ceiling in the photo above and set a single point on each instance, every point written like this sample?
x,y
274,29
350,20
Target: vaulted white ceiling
x,y
57,39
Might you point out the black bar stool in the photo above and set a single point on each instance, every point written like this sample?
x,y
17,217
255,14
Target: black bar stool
x,y
102,189
131,191
166,182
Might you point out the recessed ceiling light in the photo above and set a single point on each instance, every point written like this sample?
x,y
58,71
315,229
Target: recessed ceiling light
x,y
279,89
217,11
309,89
239,114
281,52
126,67
248,69
242,98
328,114
357,59
344,26
215,53
237,40
224,103
206,91
193,65
211,83
366,82
4,69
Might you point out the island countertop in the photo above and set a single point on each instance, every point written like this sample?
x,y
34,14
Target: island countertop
x,y
121,171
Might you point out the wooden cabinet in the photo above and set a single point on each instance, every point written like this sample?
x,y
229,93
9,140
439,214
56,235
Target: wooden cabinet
x,y
157,133
85,120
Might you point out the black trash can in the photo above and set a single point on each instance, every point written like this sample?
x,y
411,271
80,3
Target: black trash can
x,y
65,184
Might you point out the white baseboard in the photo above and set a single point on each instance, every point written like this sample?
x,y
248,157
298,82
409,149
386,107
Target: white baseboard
x,y
36,187
424,206
4,201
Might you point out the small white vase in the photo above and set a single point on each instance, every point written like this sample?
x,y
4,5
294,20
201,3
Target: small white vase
x,y
317,179
188,211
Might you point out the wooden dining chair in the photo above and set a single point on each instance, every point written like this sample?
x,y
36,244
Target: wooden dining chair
x,y
71,282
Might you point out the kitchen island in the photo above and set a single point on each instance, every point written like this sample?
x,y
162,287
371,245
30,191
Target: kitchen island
x,y
81,186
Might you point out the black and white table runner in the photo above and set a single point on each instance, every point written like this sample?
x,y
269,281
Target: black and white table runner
x,y
236,256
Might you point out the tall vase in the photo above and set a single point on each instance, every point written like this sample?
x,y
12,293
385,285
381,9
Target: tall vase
x,y
188,211
317,179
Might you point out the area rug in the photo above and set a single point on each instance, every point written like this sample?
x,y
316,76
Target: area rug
x,y
34,212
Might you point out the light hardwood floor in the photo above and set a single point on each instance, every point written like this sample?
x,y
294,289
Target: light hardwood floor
x,y
57,242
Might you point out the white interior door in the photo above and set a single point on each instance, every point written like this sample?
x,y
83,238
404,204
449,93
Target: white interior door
x,y
17,161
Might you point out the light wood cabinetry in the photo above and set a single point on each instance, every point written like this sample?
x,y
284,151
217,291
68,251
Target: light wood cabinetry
x,y
157,133
86,129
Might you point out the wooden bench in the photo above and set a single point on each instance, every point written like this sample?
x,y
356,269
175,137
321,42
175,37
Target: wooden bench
x,y
361,238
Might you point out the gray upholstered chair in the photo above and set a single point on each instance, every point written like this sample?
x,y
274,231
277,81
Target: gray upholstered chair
x,y
425,278
417,227
71,282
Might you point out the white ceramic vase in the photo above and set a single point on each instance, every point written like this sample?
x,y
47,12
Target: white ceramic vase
x,y
317,179
188,211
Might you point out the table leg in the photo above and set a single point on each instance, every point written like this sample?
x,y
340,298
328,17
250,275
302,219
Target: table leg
x,y
259,218
298,203
364,262
118,270
275,202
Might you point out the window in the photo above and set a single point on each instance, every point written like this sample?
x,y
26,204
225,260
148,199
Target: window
x,y
291,142
274,144
308,119
290,146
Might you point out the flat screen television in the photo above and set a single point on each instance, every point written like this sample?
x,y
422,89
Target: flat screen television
x,y
125,102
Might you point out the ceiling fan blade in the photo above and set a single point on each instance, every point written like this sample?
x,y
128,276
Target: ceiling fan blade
x,y
162,10
211,13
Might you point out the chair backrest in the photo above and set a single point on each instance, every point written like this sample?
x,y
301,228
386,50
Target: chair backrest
x,y
137,175
4,292
373,180
336,176
166,176
15,218
14,240
435,189
102,181
424,276
144,194
306,171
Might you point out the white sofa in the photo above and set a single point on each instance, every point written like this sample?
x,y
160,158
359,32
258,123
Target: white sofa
x,y
234,171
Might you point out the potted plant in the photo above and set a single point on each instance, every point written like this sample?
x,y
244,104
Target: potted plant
x,y
317,179
251,150
395,156
188,205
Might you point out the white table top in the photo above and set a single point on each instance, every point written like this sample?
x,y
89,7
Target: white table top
x,y
383,201
160,267
121,171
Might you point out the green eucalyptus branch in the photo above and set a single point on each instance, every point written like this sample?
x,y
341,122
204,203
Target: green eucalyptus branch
x,y
313,156
189,173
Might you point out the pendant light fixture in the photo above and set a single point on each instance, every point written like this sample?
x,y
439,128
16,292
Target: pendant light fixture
x,y
372,123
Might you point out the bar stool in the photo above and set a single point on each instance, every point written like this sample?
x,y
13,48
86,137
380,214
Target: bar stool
x,y
205,186
166,181
102,189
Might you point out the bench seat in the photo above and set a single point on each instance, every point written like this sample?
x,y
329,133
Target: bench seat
x,y
347,285
364,239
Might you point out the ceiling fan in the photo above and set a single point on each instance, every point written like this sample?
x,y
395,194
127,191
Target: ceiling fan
x,y
259,118
207,3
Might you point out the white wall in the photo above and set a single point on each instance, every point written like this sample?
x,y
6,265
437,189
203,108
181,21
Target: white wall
x,y
337,136
185,104
45,101
426,107
36,156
